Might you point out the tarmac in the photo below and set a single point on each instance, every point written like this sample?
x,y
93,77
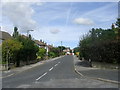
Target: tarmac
x,y
91,77
84,69
7,73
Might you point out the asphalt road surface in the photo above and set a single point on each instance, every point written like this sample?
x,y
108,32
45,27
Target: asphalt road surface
x,y
59,73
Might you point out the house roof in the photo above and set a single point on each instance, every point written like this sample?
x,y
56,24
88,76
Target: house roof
x,y
24,36
40,43
4,35
50,46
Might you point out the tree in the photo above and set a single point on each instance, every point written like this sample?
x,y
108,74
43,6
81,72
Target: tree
x,y
56,51
118,22
100,45
30,36
118,28
61,47
15,33
10,50
76,49
29,50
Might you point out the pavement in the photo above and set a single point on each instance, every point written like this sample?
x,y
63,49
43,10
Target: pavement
x,y
57,73
84,69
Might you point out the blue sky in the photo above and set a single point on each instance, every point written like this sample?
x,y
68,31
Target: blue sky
x,y
54,22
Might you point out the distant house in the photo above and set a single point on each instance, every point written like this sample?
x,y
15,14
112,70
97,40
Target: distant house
x,y
40,44
4,36
67,50
49,47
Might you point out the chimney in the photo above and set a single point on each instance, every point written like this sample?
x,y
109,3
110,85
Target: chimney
x,y
40,40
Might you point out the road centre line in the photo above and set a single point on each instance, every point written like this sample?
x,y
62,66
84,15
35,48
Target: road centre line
x,y
51,69
41,76
46,72
56,64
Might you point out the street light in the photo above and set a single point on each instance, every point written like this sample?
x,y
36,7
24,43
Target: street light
x,y
7,56
28,32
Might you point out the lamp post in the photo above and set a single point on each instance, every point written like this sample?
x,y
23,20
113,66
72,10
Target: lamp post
x,y
7,56
28,32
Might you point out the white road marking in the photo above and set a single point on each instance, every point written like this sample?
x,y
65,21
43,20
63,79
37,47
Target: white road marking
x,y
51,69
10,74
7,75
56,64
41,76
7,71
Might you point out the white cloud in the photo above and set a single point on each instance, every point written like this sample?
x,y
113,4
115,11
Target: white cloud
x,y
66,34
83,21
54,31
20,14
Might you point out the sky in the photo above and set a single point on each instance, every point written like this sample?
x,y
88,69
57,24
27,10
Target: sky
x,y
54,22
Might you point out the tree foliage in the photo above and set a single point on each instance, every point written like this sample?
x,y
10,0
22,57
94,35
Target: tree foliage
x,y
54,52
10,49
41,53
51,54
15,33
29,50
101,45
61,47
76,49
19,48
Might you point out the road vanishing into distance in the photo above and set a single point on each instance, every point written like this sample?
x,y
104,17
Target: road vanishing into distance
x,y
59,73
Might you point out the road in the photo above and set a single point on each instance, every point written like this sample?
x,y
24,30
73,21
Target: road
x,y
85,69
58,73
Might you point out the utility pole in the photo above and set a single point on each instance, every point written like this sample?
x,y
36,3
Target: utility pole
x,y
7,56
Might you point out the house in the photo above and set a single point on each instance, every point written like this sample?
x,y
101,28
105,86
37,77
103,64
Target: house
x,y
67,50
4,36
49,47
40,44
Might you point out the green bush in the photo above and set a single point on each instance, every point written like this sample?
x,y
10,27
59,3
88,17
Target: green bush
x,y
101,45
51,54
29,50
41,53
10,50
